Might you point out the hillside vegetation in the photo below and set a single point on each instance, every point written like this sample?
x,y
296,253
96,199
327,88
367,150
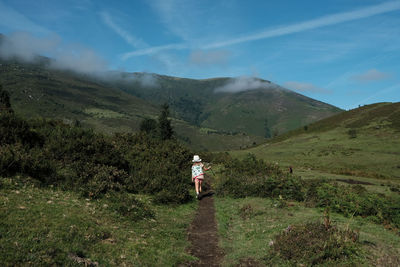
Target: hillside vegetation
x,y
360,142
37,91
72,196
264,110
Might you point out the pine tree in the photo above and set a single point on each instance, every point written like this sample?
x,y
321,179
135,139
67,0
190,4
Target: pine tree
x,y
164,124
5,105
148,126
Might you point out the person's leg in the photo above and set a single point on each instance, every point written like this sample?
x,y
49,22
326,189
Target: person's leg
x,y
200,182
196,183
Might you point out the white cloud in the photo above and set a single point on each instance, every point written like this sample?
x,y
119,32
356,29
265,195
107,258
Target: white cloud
x,y
153,50
26,47
206,58
130,39
304,87
313,24
244,83
371,75
168,9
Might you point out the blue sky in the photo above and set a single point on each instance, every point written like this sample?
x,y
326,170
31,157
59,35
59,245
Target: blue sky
x,y
343,52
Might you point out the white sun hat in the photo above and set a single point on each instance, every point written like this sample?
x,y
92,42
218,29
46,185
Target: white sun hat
x,y
196,158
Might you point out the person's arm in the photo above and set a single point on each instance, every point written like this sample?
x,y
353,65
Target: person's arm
x,y
206,169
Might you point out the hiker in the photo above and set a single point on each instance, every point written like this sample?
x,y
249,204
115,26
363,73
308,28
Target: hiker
x,y
198,173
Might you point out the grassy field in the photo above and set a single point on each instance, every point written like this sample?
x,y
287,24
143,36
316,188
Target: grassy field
x,y
248,225
369,150
360,146
46,226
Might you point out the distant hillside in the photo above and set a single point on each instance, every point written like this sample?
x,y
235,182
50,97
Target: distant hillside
x,y
361,142
212,114
263,111
37,91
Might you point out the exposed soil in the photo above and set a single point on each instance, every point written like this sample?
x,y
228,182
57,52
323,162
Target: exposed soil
x,y
203,233
351,181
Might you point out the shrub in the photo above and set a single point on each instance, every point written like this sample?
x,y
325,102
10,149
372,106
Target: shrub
x,y
314,243
96,180
354,200
129,206
252,177
16,130
155,167
16,159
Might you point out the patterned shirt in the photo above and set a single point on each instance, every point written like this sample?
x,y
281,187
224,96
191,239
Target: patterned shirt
x,y
197,170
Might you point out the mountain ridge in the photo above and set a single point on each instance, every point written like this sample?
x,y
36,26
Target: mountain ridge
x,y
118,101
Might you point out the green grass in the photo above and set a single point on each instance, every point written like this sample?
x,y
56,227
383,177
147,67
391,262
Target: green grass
x,y
373,153
45,226
246,227
117,104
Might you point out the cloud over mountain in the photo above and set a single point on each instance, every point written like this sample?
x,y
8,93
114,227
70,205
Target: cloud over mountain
x,y
243,83
27,47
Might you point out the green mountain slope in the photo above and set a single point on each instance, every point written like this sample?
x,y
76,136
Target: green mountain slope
x,y
37,91
250,111
362,142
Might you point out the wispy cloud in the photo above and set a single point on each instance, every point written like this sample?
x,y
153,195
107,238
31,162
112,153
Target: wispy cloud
x,y
313,24
305,87
130,39
370,76
153,50
243,83
209,58
278,31
15,21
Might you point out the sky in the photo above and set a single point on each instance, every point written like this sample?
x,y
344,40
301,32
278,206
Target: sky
x,y
342,52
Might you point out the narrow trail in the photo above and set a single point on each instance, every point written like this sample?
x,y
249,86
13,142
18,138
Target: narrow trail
x,y
203,233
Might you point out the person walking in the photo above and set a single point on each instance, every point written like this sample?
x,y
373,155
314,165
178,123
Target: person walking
x,y
198,173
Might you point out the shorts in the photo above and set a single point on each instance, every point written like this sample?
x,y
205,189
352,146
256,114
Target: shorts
x,y
199,178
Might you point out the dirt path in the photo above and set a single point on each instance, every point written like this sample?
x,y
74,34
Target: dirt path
x,y
203,234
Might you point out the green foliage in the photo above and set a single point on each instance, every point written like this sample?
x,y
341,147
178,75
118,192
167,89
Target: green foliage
x,y
16,130
352,133
128,206
5,104
314,243
148,126
252,177
354,201
164,123
94,164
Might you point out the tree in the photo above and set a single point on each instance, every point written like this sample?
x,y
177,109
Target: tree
x,y
148,126
5,105
164,124
266,129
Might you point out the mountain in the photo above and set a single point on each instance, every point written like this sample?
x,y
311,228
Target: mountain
x,y
263,110
209,114
37,91
360,142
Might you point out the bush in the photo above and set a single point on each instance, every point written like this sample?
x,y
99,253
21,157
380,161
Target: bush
x,y
96,180
314,243
155,167
252,177
127,205
16,159
354,200
16,130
